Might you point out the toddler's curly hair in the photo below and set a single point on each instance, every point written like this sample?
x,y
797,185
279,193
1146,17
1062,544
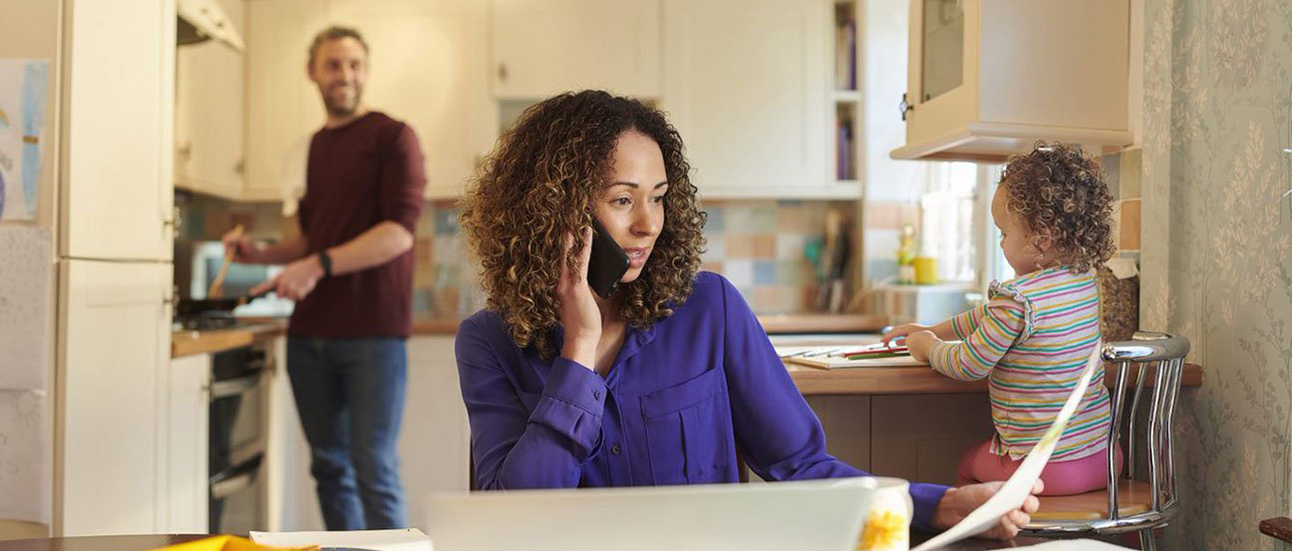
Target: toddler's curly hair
x,y
1060,194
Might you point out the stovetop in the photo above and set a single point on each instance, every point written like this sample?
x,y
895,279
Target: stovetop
x,y
205,321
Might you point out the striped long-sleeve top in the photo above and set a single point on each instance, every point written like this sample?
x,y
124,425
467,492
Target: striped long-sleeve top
x,y
1030,341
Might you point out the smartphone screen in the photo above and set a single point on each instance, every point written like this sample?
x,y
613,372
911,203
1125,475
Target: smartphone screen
x,y
608,263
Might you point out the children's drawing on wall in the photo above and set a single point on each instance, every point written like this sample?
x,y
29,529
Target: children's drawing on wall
x,y
24,87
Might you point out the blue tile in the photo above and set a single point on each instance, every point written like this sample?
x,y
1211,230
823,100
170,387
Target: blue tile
x,y
714,223
764,272
446,221
763,219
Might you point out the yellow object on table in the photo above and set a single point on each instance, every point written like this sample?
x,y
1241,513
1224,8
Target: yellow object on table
x,y
229,543
887,525
926,270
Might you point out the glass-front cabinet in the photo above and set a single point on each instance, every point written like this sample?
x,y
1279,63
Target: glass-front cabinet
x,y
942,65
988,78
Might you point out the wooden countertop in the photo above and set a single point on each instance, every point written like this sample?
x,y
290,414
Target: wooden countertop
x,y
186,343
921,380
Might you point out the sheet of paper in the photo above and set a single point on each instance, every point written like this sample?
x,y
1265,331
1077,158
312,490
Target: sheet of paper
x,y
407,539
26,474
833,362
24,85
1019,486
26,272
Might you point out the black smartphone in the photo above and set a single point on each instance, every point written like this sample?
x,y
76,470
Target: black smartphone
x,y
608,263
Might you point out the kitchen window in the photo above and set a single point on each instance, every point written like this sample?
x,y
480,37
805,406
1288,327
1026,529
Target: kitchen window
x,y
955,223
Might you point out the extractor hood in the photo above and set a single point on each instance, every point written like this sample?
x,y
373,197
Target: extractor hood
x,y
202,20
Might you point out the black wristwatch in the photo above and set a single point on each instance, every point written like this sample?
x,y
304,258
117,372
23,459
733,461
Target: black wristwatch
x,y
326,262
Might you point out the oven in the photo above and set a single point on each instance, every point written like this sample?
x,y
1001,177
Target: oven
x,y
239,417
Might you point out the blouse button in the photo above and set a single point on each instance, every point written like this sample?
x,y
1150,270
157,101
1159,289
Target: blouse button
x,y
596,394
616,449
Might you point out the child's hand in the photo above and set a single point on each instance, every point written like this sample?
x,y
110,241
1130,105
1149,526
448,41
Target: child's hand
x,y
920,343
902,331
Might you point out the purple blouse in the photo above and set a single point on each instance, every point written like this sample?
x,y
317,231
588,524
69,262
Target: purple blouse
x,y
679,399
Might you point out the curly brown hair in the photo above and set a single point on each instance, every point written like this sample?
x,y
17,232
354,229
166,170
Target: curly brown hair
x,y
540,185
1059,193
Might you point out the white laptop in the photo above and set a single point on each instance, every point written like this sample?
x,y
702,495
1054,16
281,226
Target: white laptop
x,y
814,515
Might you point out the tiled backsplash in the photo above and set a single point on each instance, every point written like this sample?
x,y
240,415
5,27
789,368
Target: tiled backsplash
x,y
761,246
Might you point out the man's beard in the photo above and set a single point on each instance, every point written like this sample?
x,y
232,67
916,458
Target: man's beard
x,y
341,108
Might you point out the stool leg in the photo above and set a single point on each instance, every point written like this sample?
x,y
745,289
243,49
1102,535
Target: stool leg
x,y
1147,541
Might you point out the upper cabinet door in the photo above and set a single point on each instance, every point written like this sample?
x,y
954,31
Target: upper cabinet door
x,y
745,85
974,94
428,70
118,129
283,106
209,114
544,47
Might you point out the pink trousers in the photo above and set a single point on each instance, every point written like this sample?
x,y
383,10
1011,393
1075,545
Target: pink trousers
x,y
1061,478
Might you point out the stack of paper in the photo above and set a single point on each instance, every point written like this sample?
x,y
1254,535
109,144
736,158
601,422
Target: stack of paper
x,y
833,357
407,539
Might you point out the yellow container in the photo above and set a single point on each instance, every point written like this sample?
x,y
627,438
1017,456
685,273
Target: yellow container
x,y
926,270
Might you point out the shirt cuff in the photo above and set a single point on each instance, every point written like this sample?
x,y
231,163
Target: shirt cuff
x,y
925,497
573,401
938,354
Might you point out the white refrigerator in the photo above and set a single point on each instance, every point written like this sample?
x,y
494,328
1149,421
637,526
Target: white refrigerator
x,y
106,200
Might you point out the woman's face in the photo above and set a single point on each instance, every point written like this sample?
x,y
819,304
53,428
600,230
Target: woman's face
x,y
632,206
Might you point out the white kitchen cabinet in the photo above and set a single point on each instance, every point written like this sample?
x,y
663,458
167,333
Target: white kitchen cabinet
x,y
187,444
283,105
544,47
117,196
429,69
987,78
747,86
109,453
209,114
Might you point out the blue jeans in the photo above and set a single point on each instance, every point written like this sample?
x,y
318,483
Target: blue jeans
x,y
350,397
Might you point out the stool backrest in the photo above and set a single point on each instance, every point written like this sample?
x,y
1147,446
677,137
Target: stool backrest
x,y
1163,354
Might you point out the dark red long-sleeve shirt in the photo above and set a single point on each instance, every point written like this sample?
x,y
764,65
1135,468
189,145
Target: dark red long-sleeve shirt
x,y
359,175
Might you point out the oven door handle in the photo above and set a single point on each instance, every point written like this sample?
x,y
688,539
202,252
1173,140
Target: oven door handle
x,y
234,387
226,483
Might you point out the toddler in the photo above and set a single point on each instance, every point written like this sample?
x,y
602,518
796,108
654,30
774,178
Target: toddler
x,y
1032,338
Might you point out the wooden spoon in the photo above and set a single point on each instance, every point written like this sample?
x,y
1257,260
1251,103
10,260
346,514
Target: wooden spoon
x,y
216,286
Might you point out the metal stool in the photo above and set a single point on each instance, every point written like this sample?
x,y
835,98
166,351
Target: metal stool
x,y
1130,504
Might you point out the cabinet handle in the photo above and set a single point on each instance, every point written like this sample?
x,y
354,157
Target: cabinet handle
x,y
175,222
502,72
905,107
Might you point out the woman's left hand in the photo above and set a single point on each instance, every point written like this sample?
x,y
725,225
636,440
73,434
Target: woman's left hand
x,y
959,502
920,343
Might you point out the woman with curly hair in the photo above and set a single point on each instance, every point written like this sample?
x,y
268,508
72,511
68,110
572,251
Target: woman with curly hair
x,y
666,379
1032,338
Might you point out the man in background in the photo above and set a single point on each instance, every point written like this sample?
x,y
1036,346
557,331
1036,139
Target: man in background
x,y
350,272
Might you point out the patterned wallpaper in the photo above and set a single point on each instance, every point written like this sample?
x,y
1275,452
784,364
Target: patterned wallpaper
x,y
1216,266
